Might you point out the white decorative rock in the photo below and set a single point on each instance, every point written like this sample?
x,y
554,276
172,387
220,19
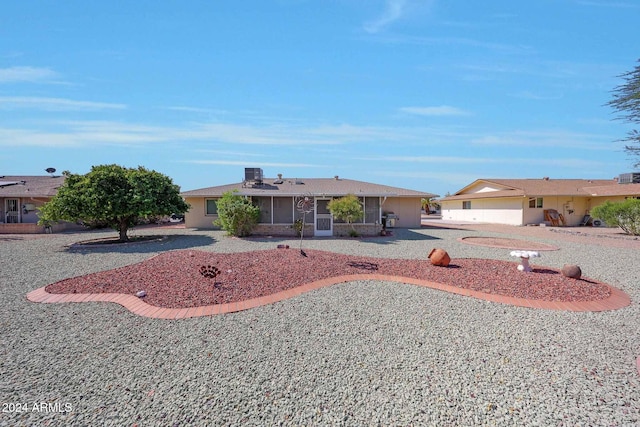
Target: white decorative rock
x,y
141,294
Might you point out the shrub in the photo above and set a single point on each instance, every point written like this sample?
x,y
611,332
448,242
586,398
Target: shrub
x,y
236,215
297,226
625,215
347,208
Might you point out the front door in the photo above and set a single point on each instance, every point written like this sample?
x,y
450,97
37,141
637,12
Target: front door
x,y
324,219
12,210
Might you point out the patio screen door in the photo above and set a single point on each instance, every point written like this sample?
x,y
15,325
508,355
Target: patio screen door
x,y
12,211
324,219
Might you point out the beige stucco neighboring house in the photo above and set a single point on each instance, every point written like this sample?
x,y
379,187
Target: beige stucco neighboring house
x,y
20,198
524,201
278,201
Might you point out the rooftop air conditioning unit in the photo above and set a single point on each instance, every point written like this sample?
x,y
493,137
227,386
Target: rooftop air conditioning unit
x,y
253,174
629,178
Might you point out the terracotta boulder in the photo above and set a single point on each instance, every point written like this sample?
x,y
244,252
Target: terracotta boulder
x,y
571,270
439,257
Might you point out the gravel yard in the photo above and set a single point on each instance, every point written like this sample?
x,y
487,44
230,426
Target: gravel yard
x,y
358,353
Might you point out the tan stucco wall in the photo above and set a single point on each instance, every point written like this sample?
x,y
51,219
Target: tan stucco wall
x,y
196,217
517,212
497,211
563,204
408,210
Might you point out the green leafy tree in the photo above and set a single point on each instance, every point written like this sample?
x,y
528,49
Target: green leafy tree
x,y
429,204
626,101
114,195
347,208
236,215
625,215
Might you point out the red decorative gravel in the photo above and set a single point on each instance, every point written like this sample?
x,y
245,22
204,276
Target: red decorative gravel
x,y
177,279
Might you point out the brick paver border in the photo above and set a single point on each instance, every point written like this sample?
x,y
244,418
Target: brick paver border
x,y
617,299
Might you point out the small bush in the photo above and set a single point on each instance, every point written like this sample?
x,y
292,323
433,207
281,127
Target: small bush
x,y
625,215
347,208
236,215
297,226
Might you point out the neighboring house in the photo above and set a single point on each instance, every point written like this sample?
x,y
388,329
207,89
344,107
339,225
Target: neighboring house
x,y
20,198
524,201
278,201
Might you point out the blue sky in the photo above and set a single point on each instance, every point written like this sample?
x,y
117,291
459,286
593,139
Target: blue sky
x,y
427,95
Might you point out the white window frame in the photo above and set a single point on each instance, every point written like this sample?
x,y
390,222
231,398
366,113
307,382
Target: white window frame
x,y
537,202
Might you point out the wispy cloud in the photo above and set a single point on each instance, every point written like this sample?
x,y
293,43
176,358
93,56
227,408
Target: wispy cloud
x,y
571,73
455,160
432,159
546,139
453,42
442,110
88,132
393,11
614,4
231,153
261,164
194,110
534,96
55,104
451,179
27,75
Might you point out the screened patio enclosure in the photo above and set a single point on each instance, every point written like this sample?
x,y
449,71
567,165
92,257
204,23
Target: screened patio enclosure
x,y
282,210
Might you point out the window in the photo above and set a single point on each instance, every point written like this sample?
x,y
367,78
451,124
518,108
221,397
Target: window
x,y
371,210
264,203
535,202
466,204
282,210
211,207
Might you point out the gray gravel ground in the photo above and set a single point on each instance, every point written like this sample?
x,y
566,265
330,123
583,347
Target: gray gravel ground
x,y
360,353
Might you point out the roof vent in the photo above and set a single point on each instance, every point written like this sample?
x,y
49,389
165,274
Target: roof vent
x,y
279,180
299,181
336,177
545,178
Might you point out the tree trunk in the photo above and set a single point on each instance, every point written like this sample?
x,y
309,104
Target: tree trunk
x,y
123,231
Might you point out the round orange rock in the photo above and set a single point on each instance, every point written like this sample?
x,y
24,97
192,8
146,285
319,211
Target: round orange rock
x,y
439,257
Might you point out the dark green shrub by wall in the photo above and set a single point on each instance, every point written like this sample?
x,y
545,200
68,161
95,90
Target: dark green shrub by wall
x,y
236,215
625,215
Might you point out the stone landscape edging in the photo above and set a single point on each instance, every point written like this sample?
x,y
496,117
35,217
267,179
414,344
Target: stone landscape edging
x,y
617,298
